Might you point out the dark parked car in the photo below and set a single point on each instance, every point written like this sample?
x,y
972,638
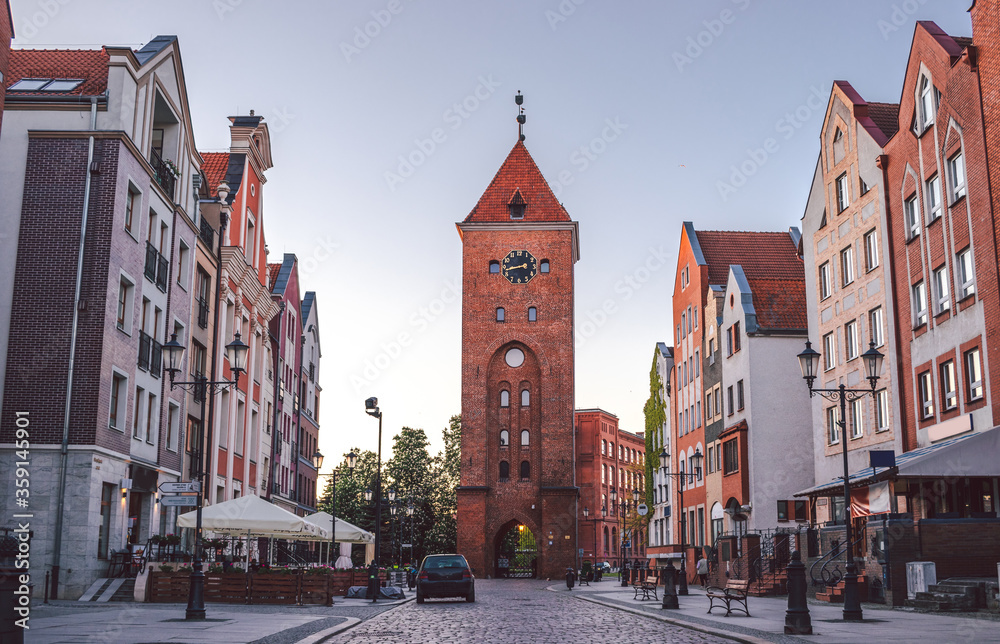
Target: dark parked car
x,y
445,576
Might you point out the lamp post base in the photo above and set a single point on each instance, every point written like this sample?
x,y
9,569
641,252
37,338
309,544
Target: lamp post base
x,y
196,594
683,590
852,602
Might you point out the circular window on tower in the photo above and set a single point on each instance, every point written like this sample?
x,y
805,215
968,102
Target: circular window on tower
x,y
514,357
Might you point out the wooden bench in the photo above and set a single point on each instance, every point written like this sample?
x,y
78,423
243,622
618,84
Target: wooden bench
x,y
735,591
646,587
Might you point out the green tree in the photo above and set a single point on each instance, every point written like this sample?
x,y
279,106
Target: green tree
x,y
442,535
655,412
409,474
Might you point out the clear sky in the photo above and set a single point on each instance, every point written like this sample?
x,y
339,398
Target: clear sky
x,y
389,118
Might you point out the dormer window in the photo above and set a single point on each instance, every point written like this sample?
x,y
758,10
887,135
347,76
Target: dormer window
x,y
45,85
516,205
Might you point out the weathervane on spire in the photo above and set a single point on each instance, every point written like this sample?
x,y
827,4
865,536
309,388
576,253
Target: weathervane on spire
x,y
520,116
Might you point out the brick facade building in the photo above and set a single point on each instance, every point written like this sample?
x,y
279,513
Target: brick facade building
x,y
519,248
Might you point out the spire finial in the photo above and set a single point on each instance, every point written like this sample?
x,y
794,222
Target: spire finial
x,y
519,99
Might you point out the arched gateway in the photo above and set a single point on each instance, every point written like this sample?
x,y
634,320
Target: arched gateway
x,y
517,498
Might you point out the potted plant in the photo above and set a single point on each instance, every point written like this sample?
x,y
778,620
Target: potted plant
x,y
172,539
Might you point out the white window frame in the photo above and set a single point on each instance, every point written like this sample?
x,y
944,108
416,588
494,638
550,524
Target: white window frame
x,y
173,425
129,313
851,340
829,351
974,374
871,250
956,172
926,102
832,426
918,292
966,274
912,220
825,281
933,193
847,265
857,419
122,412
875,326
881,411
843,194
942,292
925,390
949,387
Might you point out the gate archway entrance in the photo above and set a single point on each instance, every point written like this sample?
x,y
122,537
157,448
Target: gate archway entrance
x,y
516,552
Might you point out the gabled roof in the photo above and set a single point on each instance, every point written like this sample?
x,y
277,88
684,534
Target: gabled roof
x,y
306,305
885,116
153,47
518,174
272,274
88,65
763,255
279,280
223,166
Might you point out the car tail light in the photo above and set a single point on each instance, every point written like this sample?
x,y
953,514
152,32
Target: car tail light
x,y
423,575
466,574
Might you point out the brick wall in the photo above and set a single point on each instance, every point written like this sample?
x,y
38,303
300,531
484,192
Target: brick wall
x,y
6,33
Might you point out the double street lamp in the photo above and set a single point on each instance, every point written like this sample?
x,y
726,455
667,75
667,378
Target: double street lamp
x,y
236,352
317,461
623,506
586,515
683,478
809,364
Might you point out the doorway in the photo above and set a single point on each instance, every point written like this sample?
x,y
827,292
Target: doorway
x,y
516,552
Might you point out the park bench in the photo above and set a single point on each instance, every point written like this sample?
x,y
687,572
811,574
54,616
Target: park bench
x,y
646,587
735,591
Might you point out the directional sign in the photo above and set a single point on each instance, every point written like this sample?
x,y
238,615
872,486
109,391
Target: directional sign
x,y
181,487
181,501
642,509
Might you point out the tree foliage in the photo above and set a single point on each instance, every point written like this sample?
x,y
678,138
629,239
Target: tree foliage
x,y
655,412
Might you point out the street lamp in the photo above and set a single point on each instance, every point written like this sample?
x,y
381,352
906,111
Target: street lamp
x,y
236,352
622,508
586,515
317,460
809,364
409,513
682,478
371,408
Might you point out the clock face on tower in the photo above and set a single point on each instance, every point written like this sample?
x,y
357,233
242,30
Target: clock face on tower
x,y
519,266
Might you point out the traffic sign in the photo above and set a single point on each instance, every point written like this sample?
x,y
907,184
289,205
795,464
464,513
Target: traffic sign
x,y
642,509
179,501
627,543
180,487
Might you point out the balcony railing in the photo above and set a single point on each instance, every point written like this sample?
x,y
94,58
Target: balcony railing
x,y
164,173
150,354
202,312
162,273
151,255
207,234
157,268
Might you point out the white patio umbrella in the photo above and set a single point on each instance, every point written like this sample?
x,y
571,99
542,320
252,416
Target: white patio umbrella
x,y
345,533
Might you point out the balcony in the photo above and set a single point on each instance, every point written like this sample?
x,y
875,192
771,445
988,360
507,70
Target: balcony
x,y
164,174
202,312
150,355
157,268
207,234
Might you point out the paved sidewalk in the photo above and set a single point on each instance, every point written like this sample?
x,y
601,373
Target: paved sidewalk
x,y
70,622
882,625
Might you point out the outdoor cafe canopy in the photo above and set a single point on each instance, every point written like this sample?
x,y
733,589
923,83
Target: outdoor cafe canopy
x,y
253,516
346,532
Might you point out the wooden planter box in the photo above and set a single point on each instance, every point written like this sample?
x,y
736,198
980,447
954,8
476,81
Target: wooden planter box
x,y
315,589
168,587
341,581
270,588
229,588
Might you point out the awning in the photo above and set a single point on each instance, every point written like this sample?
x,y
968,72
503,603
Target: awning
x,y
973,454
252,515
346,532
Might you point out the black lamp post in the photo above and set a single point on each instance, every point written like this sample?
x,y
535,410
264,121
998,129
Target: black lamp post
x,y
682,478
409,513
809,364
371,408
586,517
317,460
236,352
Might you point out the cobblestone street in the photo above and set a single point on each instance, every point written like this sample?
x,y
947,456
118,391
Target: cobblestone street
x,y
515,611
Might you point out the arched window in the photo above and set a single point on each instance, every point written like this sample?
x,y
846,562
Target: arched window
x,y
606,540
525,397
504,438
524,437
611,471
504,470
494,266
604,447
614,541
499,314
543,266
525,470
532,314
604,473
505,398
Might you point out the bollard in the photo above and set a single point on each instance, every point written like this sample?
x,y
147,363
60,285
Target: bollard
x,y
670,586
46,600
570,578
624,574
797,620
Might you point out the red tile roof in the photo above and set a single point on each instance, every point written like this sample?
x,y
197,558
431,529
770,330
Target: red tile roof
x,y
272,274
885,116
89,65
518,173
780,303
763,255
214,167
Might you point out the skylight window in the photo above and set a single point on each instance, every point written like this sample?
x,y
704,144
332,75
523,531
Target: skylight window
x,y
45,85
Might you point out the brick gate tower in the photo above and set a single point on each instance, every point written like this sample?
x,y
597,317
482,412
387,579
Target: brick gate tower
x,y
518,250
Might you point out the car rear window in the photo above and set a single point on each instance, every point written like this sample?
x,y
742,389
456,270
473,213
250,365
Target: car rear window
x,y
445,562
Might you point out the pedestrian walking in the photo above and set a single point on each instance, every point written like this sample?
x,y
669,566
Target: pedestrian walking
x,y
702,568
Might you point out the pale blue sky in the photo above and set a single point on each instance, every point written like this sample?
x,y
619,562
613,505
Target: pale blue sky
x,y
664,97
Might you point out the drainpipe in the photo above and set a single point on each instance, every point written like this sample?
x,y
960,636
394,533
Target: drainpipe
x,y
64,449
276,361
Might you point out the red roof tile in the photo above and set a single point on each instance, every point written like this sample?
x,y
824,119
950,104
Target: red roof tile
x,y
89,65
214,167
272,274
763,255
885,116
780,303
518,174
